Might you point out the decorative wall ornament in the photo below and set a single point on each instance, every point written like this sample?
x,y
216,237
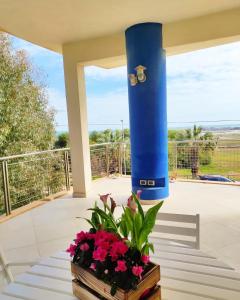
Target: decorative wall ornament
x,y
139,77
133,79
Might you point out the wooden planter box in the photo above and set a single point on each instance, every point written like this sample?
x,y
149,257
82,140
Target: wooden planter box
x,y
87,287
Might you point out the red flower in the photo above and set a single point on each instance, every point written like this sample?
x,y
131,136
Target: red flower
x,y
112,238
104,245
80,237
137,271
113,254
84,247
121,247
100,254
71,249
145,259
104,236
104,198
100,237
118,248
121,266
90,236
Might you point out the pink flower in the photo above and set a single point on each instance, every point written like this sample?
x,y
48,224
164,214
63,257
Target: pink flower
x,y
113,205
71,249
145,259
137,271
121,247
104,236
139,192
118,248
84,247
80,237
121,266
112,238
104,198
104,245
90,236
93,266
100,254
132,204
113,254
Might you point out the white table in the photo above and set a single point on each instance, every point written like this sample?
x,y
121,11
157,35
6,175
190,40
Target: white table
x,y
186,274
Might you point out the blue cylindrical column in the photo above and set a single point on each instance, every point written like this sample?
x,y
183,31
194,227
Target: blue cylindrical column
x,y
146,64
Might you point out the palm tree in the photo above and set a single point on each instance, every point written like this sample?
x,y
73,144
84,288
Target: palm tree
x,y
195,135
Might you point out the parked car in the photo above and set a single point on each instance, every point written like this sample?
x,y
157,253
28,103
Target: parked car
x,y
216,178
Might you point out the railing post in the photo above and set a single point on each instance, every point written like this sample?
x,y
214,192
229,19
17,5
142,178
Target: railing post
x,y
176,156
120,158
6,191
66,170
107,159
124,158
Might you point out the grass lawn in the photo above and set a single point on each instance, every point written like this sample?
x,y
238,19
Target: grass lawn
x,y
225,161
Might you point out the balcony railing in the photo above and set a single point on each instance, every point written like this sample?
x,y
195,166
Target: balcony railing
x,y
33,176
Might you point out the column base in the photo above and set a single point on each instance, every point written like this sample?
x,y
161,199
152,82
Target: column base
x,y
79,195
153,195
152,202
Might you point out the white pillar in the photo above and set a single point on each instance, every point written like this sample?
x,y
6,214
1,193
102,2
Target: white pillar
x,y
78,127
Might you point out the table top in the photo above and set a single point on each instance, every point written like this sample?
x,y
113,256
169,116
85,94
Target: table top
x,y
186,274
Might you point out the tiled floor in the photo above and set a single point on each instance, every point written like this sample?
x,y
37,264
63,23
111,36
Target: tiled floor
x,y
50,227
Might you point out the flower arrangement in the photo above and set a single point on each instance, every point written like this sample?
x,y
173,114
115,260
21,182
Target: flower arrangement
x,y
116,249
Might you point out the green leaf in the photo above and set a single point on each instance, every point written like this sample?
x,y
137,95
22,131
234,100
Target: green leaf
x,y
151,247
129,219
138,222
137,229
124,229
149,222
140,209
95,219
109,220
91,223
145,249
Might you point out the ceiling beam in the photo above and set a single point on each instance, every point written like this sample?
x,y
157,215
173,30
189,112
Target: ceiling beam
x,y
178,37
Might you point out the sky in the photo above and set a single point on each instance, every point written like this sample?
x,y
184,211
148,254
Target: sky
x,y
203,88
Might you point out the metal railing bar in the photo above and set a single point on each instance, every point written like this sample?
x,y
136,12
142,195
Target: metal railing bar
x,y
33,153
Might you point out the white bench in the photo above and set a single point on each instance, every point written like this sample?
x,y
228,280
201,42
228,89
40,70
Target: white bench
x,y
186,272
5,266
180,280
178,228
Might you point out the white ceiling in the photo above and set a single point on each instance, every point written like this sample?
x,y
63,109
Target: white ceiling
x,y
51,23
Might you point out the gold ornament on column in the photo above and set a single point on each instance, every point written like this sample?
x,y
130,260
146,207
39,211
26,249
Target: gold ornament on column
x,y
133,79
141,76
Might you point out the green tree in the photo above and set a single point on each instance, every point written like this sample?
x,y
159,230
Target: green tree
x,y
26,122
26,125
194,134
62,140
176,135
198,150
108,136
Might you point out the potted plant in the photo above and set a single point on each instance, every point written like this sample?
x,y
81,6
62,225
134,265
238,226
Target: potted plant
x,y
111,260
